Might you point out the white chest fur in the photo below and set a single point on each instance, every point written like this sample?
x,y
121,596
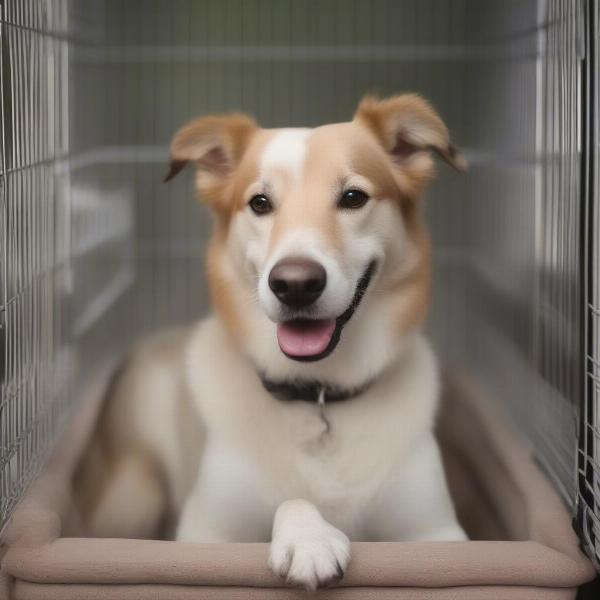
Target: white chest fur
x,y
337,456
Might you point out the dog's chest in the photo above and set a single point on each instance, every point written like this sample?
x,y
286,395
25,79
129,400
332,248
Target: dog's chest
x,y
310,429
330,461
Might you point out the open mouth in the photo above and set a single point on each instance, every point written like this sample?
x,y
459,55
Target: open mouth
x,y
314,339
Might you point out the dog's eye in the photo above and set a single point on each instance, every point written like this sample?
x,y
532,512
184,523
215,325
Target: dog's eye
x,y
353,199
260,204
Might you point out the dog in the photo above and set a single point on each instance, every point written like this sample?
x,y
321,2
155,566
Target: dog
x,y
301,412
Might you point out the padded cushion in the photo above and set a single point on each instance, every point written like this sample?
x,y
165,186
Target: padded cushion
x,y
522,547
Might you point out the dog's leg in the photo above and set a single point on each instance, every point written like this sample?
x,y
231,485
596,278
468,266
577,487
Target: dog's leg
x,y
415,504
123,496
305,549
196,525
228,502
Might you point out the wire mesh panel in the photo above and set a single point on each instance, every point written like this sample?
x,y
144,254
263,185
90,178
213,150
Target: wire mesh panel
x,y
512,268
589,435
65,230
34,137
557,341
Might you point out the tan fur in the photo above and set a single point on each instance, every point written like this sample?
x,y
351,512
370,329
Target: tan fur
x,y
223,289
232,198
409,123
413,292
126,486
247,171
411,118
216,144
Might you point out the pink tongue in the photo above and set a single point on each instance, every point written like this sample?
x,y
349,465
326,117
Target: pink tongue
x,y
305,337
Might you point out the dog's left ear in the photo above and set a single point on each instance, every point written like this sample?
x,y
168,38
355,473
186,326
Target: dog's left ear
x,y
407,125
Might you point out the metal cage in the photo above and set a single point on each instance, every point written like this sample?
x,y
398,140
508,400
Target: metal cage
x,y
95,251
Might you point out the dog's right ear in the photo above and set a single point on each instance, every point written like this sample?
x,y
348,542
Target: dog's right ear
x,y
215,143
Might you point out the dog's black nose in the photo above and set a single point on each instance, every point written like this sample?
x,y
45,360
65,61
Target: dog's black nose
x,y
297,281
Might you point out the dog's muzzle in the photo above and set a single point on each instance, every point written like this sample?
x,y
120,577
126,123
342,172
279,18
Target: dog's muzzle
x,y
307,339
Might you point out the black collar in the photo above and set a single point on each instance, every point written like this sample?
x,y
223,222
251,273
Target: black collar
x,y
312,391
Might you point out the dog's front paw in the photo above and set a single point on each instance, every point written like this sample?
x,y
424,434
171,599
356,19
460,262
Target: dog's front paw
x,y
306,550
313,559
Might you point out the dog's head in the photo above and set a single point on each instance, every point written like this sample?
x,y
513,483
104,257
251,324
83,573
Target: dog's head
x,y
320,262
